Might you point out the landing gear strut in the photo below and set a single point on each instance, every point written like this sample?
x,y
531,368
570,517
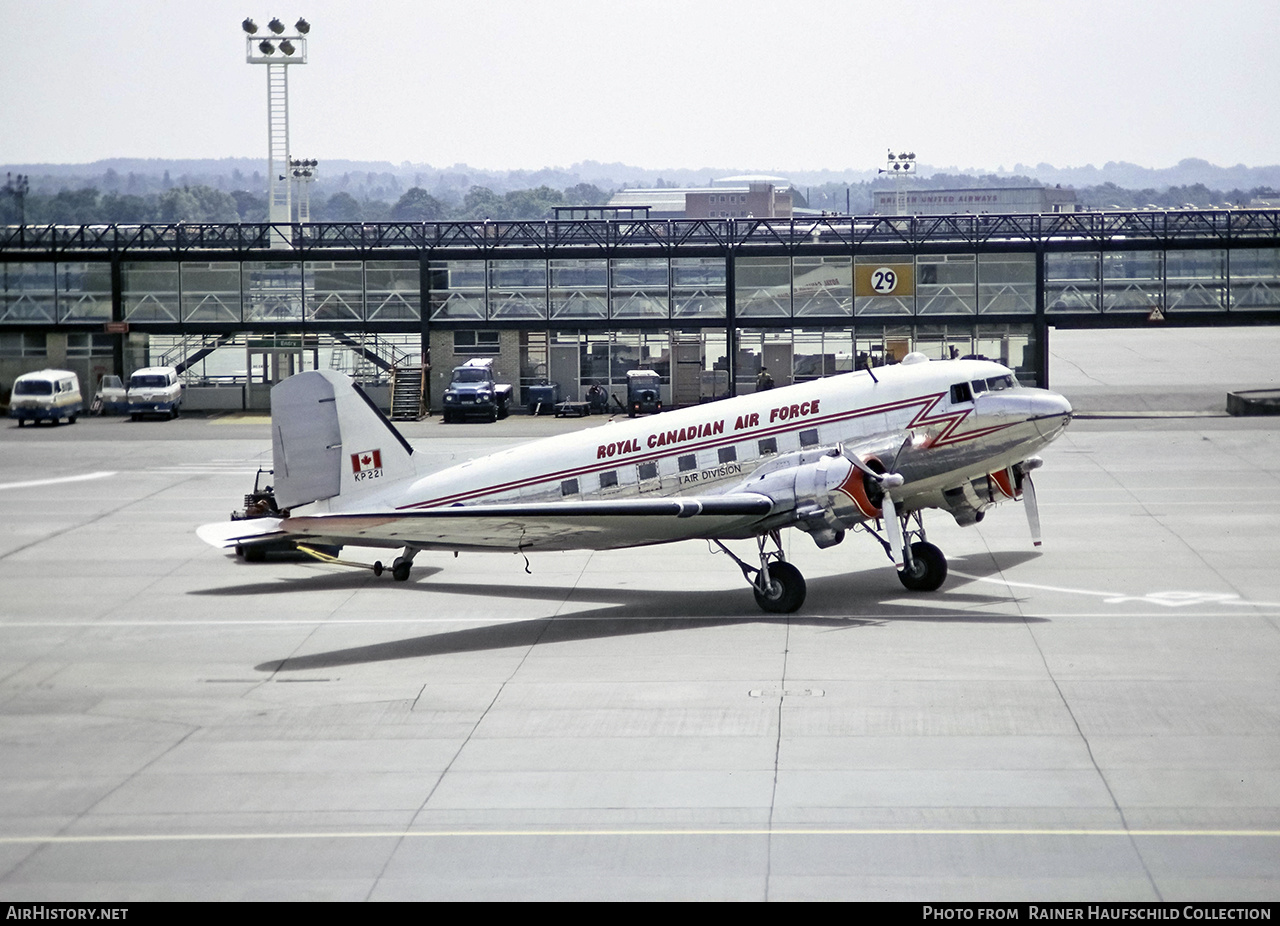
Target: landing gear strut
x,y
778,586
404,562
923,566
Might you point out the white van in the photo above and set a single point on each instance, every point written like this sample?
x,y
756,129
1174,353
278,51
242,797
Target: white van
x,y
154,391
48,395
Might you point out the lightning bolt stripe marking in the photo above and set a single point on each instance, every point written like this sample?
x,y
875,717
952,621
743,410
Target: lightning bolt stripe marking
x,y
923,418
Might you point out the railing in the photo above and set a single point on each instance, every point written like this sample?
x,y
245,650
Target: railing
x,y
797,234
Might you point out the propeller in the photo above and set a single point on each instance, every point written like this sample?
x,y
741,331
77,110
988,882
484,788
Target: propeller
x,y
893,528
1029,497
1033,509
888,510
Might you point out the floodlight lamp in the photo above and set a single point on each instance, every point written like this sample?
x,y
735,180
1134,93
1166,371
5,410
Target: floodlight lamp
x,y
287,47
890,155
266,47
903,156
912,155
276,26
249,26
302,26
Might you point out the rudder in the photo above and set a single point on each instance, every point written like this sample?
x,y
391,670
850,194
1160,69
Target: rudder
x,y
328,439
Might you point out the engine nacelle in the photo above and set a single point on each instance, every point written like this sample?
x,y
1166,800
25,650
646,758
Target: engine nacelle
x,y
818,494
968,503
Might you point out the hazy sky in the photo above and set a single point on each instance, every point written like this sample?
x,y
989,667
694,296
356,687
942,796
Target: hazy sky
x,y
754,85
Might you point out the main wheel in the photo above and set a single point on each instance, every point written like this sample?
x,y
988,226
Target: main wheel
x,y
400,570
928,568
786,590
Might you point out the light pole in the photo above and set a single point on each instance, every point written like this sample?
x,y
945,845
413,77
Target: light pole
x,y
17,187
900,165
277,51
303,171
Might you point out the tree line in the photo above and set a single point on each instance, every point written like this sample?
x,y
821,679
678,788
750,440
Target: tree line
x,y
200,203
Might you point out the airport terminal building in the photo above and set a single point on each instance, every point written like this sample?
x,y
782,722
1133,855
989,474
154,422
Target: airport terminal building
x,y
704,302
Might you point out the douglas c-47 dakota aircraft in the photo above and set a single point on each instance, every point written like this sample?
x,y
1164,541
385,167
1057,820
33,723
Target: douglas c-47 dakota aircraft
x,y
867,450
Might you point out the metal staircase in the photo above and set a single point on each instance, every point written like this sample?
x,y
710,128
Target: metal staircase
x,y
406,393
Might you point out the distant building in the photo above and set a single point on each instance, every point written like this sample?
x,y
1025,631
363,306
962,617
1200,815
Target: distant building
x,y
977,202
730,198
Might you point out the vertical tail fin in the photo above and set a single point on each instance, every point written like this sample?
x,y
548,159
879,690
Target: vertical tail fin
x,y
329,439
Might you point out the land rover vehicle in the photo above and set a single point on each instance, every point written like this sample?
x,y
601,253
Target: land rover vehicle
x,y
473,392
644,394
46,395
154,391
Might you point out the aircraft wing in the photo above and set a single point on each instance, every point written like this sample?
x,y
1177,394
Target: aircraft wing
x,y
591,525
586,525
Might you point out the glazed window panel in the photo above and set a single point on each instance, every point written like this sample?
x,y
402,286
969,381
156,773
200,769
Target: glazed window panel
x,y
819,352
272,291
517,289
210,291
1073,282
393,290
699,287
28,293
638,288
333,289
1196,280
1006,283
456,288
1255,278
822,286
579,288
150,291
884,285
946,284
1132,281
84,292
762,287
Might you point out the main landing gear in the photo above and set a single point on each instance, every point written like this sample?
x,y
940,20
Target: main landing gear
x,y
921,566
778,586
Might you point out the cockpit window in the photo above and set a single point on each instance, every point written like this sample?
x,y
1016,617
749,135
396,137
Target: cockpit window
x,y
994,384
960,392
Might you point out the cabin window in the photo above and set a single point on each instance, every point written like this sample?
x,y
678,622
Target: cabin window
x,y
961,392
647,470
609,480
687,462
569,487
728,454
809,438
768,446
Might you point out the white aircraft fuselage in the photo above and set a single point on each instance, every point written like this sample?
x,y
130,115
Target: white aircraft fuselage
x,y
869,449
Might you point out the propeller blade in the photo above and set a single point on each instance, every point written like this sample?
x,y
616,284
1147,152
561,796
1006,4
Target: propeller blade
x,y
892,529
1033,509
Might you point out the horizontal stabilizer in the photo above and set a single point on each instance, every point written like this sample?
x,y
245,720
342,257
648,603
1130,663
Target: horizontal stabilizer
x,y
223,534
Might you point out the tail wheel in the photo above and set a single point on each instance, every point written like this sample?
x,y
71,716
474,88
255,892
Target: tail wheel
x,y
786,590
928,569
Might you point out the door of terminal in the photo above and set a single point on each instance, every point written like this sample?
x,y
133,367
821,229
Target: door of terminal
x,y
268,366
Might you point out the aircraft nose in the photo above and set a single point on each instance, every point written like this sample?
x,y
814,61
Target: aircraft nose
x,y
1050,411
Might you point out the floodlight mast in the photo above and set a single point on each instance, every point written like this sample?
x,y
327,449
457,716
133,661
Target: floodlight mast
x,y
277,51
900,165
